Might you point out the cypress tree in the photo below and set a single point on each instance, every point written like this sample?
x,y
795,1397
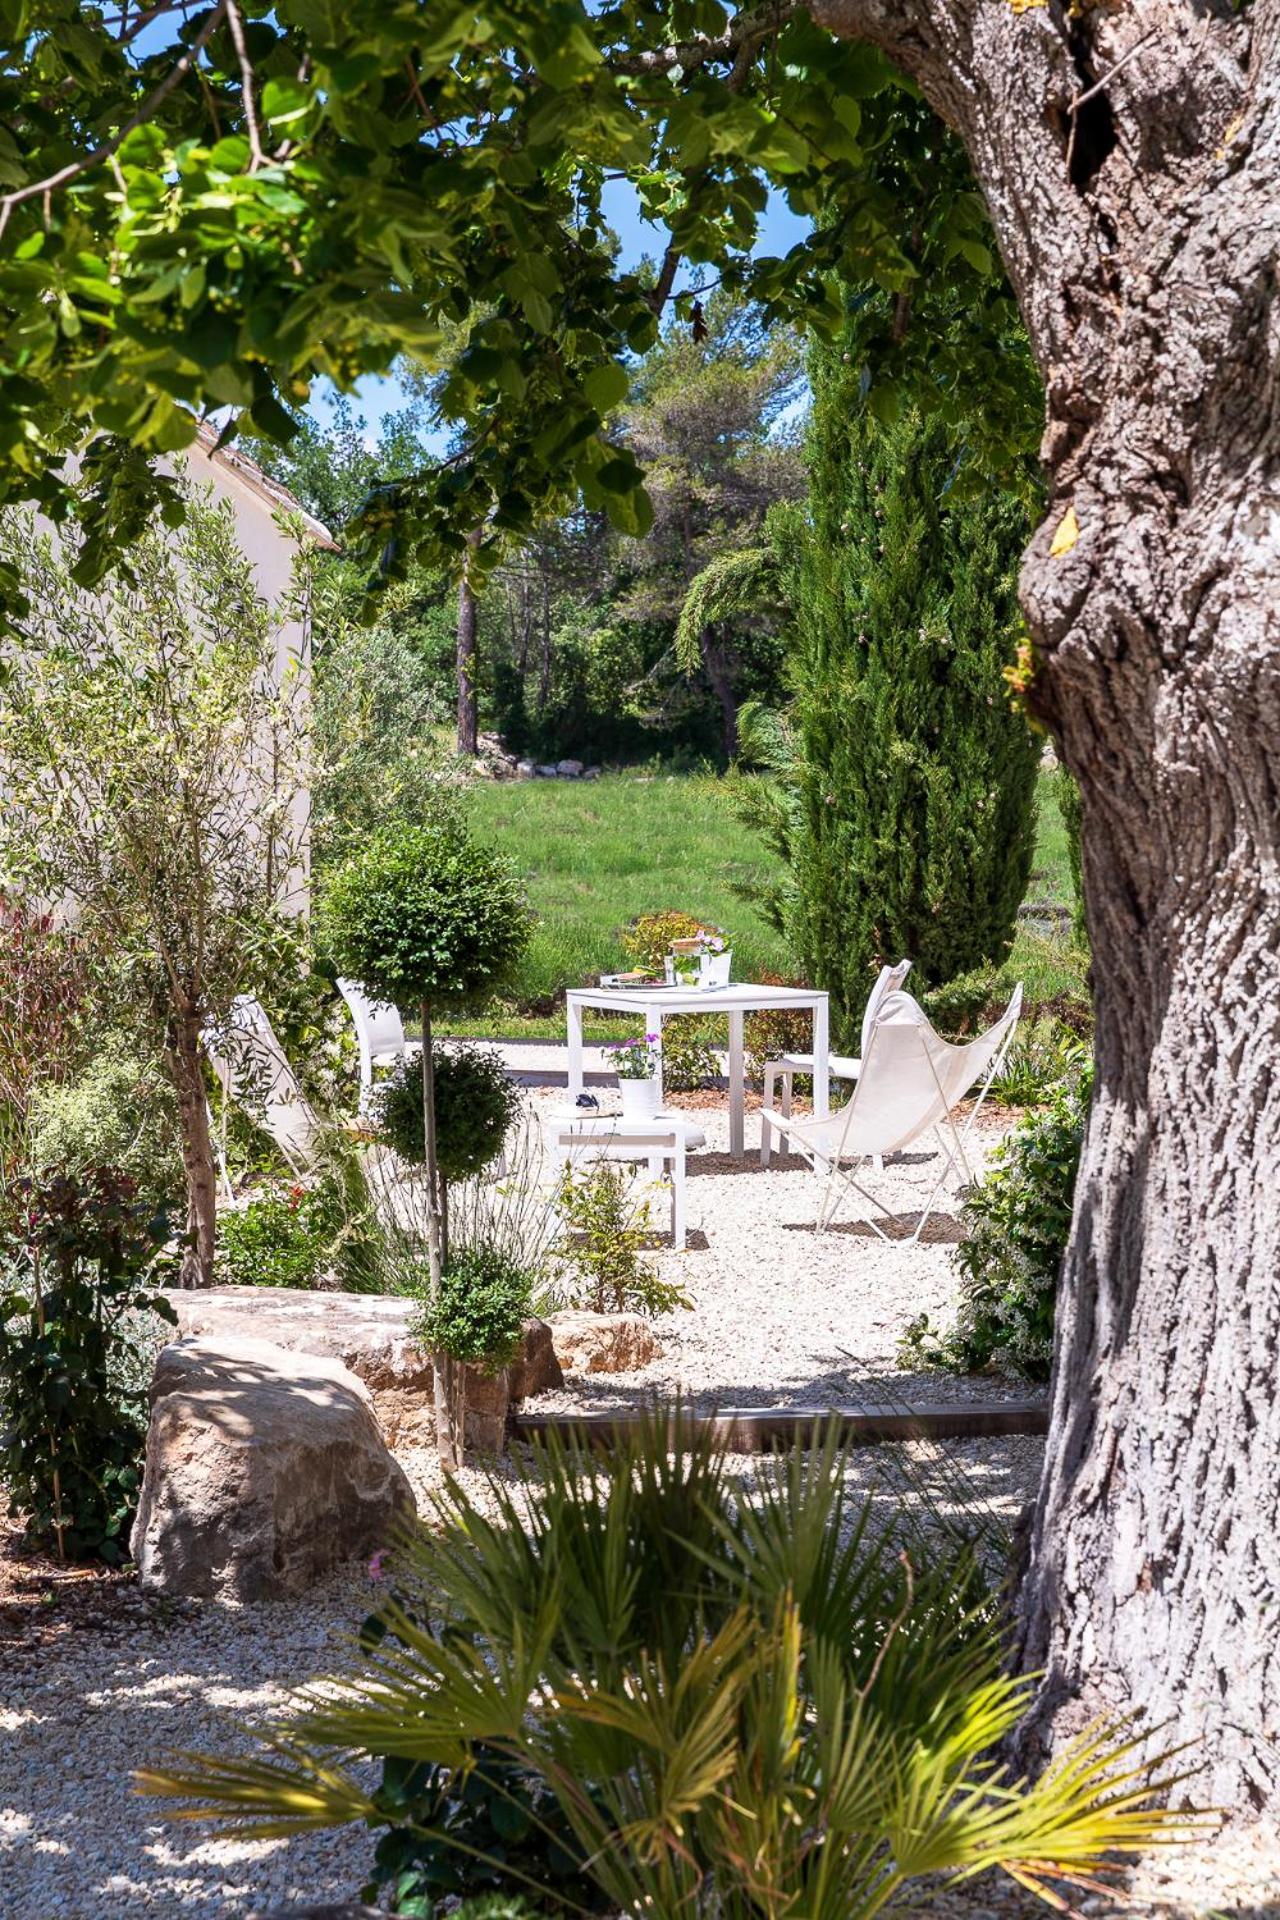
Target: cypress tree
x,y
916,817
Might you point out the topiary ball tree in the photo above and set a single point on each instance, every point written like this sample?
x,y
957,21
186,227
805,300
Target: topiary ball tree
x,y
427,917
476,1101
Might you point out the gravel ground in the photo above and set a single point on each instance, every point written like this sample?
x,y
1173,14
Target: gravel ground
x,y
95,1679
783,1316
100,1680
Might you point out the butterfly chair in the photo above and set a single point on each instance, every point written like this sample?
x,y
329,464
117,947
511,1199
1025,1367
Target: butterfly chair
x,y
840,1066
910,1084
253,1070
380,1035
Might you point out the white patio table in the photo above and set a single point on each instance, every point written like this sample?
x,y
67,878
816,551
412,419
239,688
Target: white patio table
x,y
655,1003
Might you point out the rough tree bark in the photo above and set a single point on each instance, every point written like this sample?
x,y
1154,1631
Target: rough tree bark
x,y
466,662
197,1150
1130,156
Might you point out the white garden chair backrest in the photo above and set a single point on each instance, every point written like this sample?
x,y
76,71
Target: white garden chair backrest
x,y
912,1078
379,1029
888,981
253,1070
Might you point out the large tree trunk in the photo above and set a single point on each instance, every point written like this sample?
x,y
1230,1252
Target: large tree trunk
x,y
1131,159
197,1152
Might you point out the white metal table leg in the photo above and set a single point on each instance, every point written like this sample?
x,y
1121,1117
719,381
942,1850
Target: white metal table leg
x,y
821,1062
737,1086
573,1014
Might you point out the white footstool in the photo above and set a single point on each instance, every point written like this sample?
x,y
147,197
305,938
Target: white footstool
x,y
663,1141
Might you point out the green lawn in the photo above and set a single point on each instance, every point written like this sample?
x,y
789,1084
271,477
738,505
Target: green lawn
x,y
596,854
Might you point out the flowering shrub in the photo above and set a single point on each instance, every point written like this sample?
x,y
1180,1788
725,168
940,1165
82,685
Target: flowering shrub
x,y
287,1236
635,1059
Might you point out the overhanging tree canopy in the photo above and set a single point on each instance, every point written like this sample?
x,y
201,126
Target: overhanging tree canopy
x,y
317,188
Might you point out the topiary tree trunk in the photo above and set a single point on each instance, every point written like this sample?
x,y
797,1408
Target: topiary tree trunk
x,y
449,1434
917,778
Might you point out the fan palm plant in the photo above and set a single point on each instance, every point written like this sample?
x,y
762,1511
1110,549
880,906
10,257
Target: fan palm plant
x,y
748,1701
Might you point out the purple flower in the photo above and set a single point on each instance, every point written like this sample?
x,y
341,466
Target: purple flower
x,y
375,1565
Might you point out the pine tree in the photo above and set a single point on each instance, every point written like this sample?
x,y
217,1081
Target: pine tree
x,y
916,819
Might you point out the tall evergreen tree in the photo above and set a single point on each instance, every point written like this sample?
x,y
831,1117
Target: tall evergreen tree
x,y
916,817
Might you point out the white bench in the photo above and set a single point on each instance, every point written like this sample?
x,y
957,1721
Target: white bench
x,y
663,1141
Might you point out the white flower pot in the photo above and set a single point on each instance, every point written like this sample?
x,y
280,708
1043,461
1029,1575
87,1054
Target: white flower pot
x,y
715,969
641,1099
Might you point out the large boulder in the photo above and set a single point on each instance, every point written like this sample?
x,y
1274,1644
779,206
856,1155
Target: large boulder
x,y
264,1469
535,1368
368,1332
588,1342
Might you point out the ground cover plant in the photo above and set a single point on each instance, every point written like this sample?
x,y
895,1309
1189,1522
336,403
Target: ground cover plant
x,y
740,1707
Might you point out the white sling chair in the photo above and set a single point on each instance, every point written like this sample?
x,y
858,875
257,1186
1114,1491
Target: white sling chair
x,y
379,1035
253,1071
840,1066
910,1083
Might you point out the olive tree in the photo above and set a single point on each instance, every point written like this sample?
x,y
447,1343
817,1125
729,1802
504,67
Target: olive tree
x,y
429,918
151,746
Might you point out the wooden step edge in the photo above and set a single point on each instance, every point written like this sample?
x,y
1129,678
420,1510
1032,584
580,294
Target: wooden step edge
x,y
761,1429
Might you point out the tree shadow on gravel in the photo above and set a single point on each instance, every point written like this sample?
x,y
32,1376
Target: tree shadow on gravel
x,y
145,1680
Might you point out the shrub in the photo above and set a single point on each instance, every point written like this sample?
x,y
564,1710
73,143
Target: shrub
x,y
426,914
689,1058
119,1112
77,1318
607,1230
1017,1222
769,1706
647,941
479,1311
1041,1058
776,1030
457,1834
295,1236
476,1103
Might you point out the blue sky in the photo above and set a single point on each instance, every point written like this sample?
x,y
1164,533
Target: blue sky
x,y
377,395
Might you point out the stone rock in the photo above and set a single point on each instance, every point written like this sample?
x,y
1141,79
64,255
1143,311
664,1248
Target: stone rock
x,y
569,769
535,1368
588,1342
592,773
525,770
264,1469
368,1332
546,773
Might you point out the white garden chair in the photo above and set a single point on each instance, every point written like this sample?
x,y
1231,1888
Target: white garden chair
x,y
253,1070
910,1083
840,1066
380,1035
